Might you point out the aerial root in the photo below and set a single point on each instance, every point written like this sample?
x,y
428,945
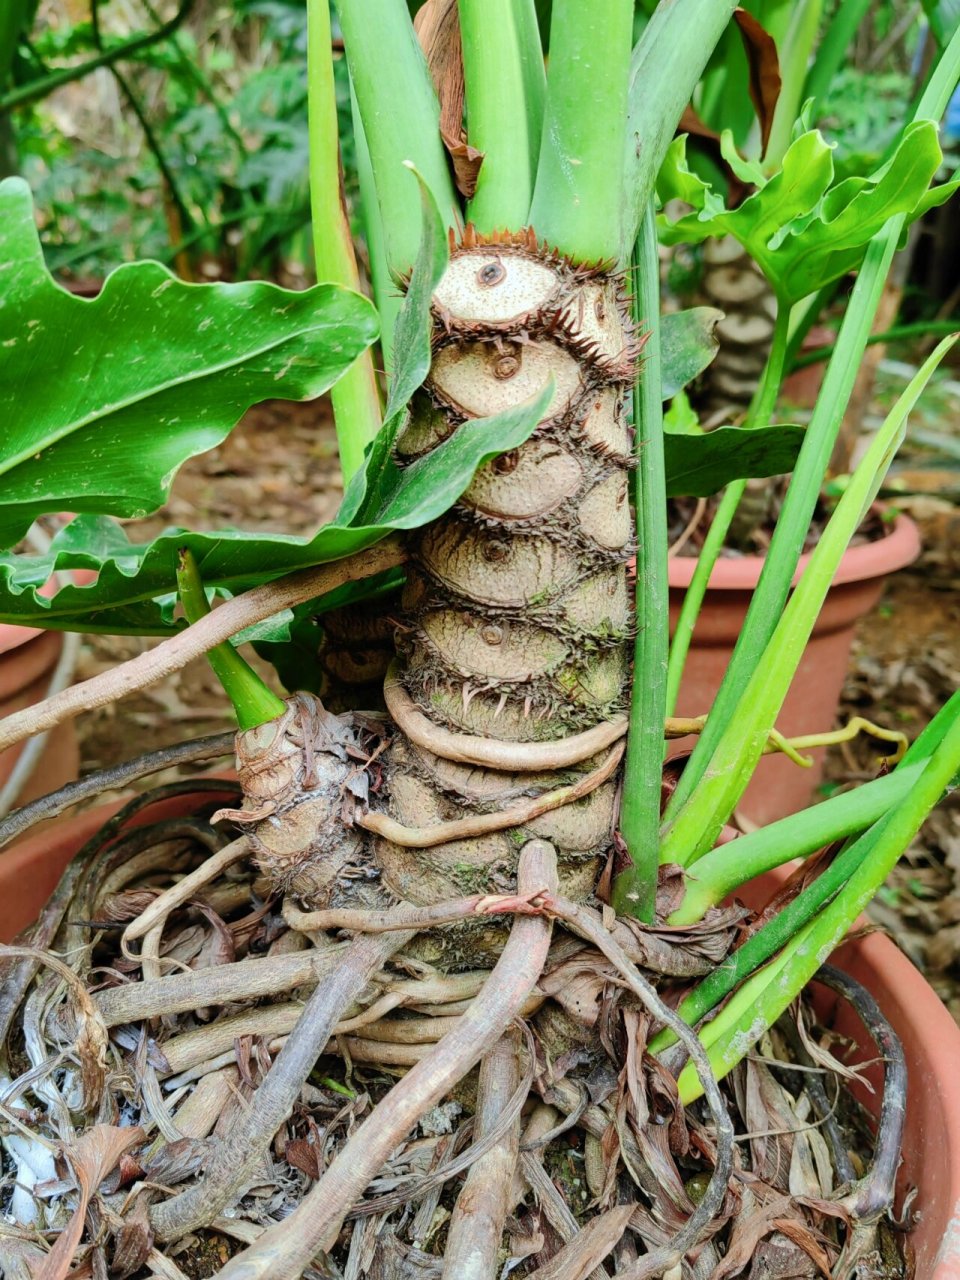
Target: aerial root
x,y
235,1160
481,824
284,1251
158,910
476,1226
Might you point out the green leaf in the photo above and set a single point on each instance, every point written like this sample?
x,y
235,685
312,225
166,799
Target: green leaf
x,y
688,343
133,592
944,18
102,400
700,465
412,355
802,227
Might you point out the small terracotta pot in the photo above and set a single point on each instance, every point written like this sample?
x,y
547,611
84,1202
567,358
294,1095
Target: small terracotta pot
x,y
30,870
779,786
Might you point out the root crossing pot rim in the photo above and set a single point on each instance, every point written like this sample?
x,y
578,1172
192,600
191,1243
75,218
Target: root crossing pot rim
x,y
30,869
900,547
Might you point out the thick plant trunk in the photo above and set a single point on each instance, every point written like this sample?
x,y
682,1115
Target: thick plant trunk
x,y
516,610
734,283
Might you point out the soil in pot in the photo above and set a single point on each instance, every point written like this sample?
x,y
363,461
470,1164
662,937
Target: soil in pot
x,y
568,1142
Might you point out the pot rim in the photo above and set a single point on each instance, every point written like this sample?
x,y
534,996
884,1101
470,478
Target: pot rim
x,y
900,547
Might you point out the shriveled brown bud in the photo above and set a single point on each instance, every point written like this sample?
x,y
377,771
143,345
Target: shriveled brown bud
x,y
302,775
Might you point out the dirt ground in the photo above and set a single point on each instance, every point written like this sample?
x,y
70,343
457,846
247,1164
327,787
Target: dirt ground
x,y
278,472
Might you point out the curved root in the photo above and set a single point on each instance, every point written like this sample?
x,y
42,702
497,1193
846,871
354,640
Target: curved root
x,y
511,757
236,1159
283,1251
482,824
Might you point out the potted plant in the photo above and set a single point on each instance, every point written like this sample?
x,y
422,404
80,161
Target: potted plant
x,y
387,896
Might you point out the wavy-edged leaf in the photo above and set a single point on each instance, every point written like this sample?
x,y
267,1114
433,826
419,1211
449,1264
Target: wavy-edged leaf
x,y
134,591
802,228
102,399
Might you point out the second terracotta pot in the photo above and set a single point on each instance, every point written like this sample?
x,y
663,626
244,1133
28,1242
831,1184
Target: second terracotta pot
x,y
780,786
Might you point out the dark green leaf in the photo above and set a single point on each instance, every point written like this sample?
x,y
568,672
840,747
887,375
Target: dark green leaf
x,y
700,465
102,400
134,591
688,343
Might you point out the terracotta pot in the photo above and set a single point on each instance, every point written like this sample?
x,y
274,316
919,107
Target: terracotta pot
x,y
779,786
30,870
27,661
931,1043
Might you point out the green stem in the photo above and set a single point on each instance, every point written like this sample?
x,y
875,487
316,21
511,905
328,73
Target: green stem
x,y
355,397
781,561
401,121
698,821
14,17
24,94
635,889
797,48
920,329
780,564
577,200
722,870
695,592
253,702
497,121
666,66
386,293
761,411
833,47
735,1031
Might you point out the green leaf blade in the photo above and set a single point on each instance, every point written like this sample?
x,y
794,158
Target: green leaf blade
x,y
103,399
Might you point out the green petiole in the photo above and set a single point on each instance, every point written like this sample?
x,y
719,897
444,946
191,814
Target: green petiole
x,y
252,700
635,889
737,1027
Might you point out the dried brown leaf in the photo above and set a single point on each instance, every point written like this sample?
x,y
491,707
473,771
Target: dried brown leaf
x,y
588,1248
466,161
134,1240
764,65
90,1159
92,1037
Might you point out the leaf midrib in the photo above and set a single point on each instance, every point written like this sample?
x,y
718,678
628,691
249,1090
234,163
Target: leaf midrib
x,y
8,465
